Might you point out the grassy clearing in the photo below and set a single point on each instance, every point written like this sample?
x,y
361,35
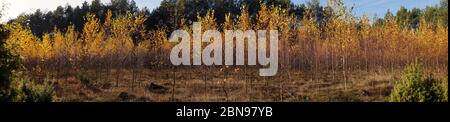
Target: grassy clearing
x,y
194,85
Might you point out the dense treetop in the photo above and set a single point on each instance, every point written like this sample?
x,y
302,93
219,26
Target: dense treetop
x,y
171,12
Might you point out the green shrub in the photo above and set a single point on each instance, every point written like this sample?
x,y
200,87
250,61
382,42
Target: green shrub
x,y
413,87
444,85
84,78
25,90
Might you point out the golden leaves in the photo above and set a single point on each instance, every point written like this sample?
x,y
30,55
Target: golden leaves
x,y
341,35
114,37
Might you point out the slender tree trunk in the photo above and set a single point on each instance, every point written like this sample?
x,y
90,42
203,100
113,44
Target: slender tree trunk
x,y
173,85
344,72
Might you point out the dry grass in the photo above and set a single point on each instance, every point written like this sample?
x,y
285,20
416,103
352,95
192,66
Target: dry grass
x,y
196,85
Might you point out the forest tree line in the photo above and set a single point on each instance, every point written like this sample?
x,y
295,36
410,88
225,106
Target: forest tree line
x,y
170,12
312,36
